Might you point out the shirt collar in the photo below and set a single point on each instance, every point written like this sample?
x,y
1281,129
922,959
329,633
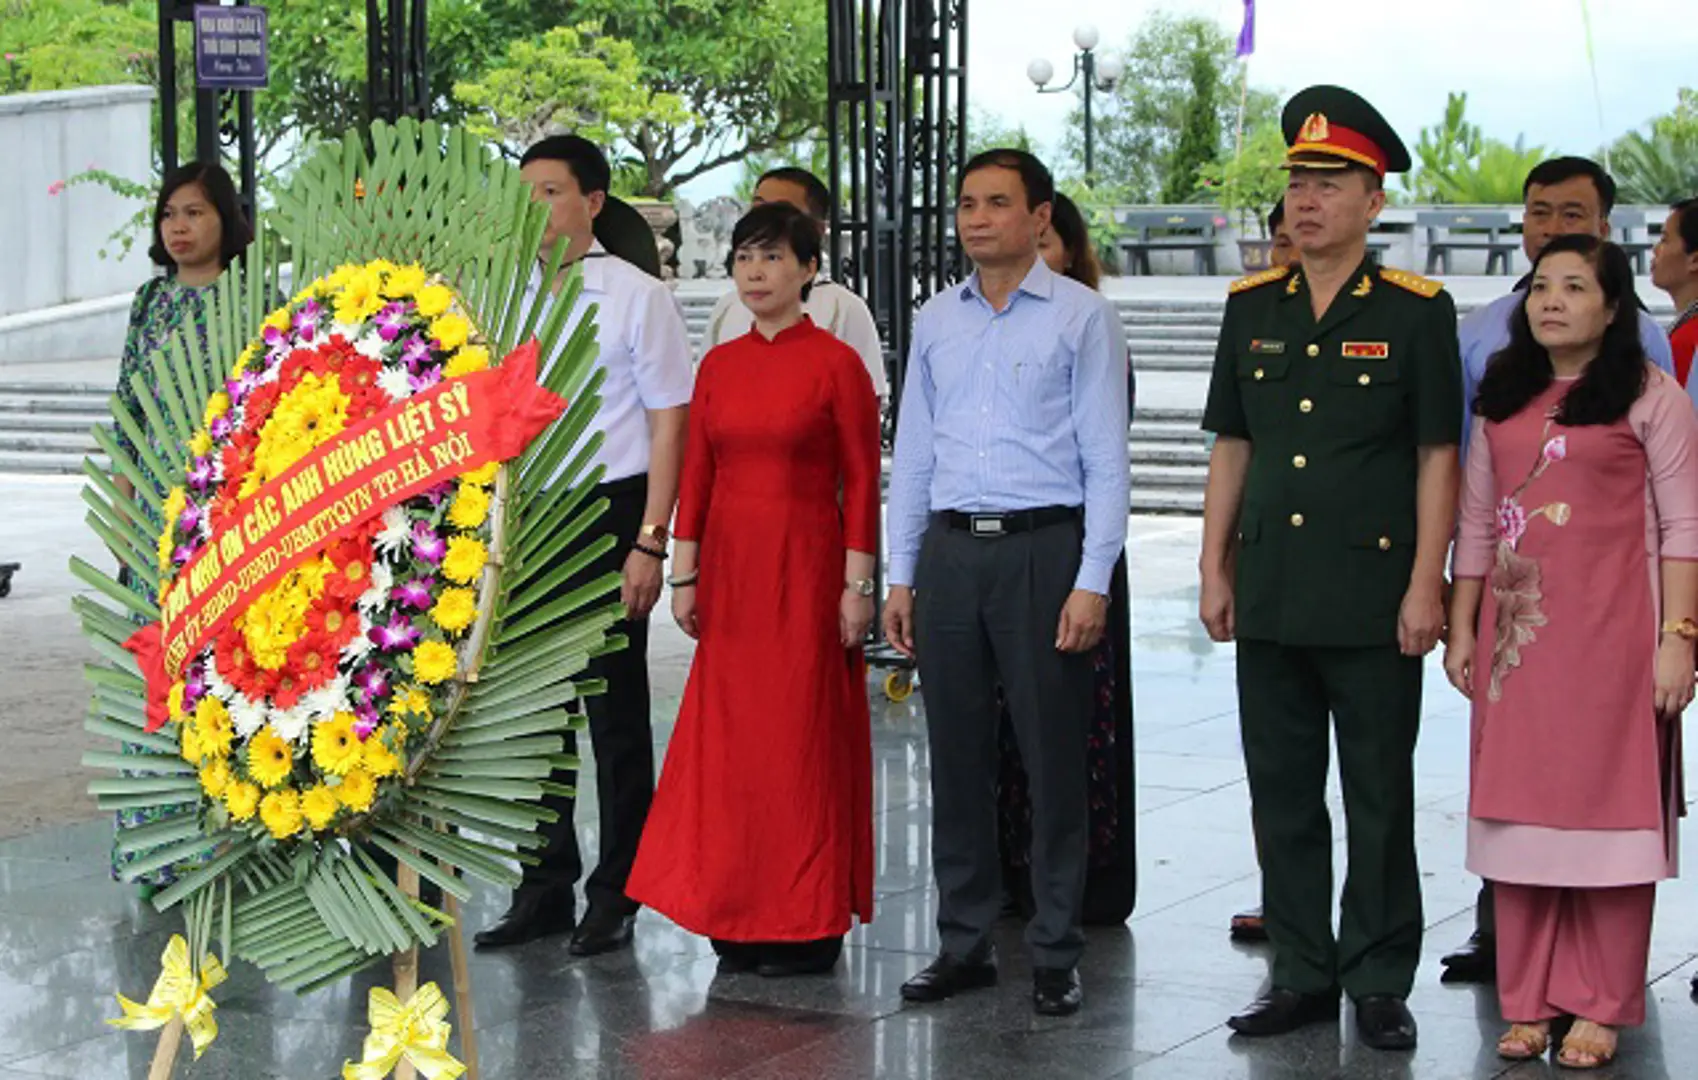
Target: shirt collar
x,y
594,262
1687,314
1039,283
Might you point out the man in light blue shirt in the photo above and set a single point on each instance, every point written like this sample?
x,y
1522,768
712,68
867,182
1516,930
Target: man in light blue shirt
x,y
1564,196
1008,505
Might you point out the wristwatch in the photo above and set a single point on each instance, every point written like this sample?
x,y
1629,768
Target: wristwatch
x,y
1685,628
657,533
862,586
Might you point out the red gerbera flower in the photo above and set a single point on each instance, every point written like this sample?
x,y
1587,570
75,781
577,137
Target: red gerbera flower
x,y
334,623
239,667
311,663
260,404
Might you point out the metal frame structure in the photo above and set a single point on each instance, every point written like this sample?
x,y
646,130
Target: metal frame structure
x,y
222,118
398,74
897,124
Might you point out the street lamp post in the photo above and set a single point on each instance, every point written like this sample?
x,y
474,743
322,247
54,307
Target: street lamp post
x,y
1100,73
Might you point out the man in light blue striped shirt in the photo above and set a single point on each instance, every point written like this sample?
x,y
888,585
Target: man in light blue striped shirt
x,y
1008,506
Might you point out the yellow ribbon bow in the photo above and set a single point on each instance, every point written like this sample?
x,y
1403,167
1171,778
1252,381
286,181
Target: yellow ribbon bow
x,y
178,992
417,1031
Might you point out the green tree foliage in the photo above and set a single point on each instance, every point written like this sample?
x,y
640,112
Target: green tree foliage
x,y
813,155
1456,163
1249,183
1199,130
62,44
572,78
1442,149
1660,166
750,73
988,131
1141,127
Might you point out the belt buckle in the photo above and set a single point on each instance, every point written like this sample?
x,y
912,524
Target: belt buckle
x,y
986,524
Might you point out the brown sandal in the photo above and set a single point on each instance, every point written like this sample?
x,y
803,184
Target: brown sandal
x,y
1533,1040
1580,1044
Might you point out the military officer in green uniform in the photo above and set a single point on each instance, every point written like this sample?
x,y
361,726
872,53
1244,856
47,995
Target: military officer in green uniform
x,y
1331,498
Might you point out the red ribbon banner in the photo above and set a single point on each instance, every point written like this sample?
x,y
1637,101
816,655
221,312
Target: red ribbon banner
x,y
455,427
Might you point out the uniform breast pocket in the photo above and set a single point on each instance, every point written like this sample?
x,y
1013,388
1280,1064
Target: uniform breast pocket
x,y
1371,389
1363,373
1040,393
1263,367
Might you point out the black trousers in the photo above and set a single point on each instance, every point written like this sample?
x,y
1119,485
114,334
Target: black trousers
x,y
621,739
986,611
1291,702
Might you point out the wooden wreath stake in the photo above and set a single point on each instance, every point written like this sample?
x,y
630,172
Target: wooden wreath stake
x,y
165,1055
462,989
406,963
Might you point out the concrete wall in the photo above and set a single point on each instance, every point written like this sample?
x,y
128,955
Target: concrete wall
x,y
52,242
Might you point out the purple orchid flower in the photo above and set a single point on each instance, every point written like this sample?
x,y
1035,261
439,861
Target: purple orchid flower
x,y
189,520
414,594
306,320
182,555
276,341
415,352
425,379
200,474
372,682
392,320
366,721
194,687
221,428
440,493
427,545
398,634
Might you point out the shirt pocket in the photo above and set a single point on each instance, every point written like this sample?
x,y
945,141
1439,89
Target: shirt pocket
x,y
1256,367
1039,392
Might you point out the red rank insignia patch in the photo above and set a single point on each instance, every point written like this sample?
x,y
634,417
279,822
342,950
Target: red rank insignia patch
x,y
1366,350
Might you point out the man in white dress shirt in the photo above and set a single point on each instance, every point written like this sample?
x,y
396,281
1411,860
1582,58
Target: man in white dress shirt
x,y
645,352
832,307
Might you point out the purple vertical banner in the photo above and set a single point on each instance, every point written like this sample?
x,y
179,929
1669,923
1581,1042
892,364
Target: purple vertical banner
x,y
230,47
1247,34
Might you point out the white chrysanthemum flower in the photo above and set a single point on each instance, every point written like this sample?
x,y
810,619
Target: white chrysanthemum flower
x,y
291,724
346,331
382,578
395,382
246,716
371,344
327,700
397,531
217,685
359,648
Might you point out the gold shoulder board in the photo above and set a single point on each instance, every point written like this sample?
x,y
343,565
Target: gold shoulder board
x,y
1254,280
1415,283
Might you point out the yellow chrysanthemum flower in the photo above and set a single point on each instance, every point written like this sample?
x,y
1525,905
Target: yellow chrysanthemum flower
x,y
174,700
212,727
216,405
175,500
335,747
270,759
380,266
450,331
215,777
410,700
165,548
357,790
361,296
404,282
434,662
277,618
378,759
245,361
433,300
320,806
465,559
484,476
471,507
280,319
241,799
281,812
200,444
190,739
455,609
469,359
339,276
314,412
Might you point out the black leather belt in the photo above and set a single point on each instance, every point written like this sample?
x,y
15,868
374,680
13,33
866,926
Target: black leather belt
x,y
1006,524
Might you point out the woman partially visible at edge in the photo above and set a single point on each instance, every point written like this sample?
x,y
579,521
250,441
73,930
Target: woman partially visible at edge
x,y
1580,532
198,231
1111,879
760,836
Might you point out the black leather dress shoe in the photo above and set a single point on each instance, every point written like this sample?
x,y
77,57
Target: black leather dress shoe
x,y
1280,1011
602,931
947,976
1384,1022
1475,962
1056,991
787,959
532,915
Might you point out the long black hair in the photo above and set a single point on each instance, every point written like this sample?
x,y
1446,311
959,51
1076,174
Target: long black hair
x,y
1611,383
221,193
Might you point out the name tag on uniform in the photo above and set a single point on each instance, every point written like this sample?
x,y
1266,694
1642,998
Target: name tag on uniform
x,y
1263,345
1367,350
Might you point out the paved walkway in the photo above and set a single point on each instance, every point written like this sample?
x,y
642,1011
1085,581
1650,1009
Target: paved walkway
x,y
1157,991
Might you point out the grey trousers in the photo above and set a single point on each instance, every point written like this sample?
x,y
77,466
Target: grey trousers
x,y
985,610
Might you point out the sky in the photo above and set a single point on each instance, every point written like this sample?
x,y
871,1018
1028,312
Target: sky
x,y
1522,62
